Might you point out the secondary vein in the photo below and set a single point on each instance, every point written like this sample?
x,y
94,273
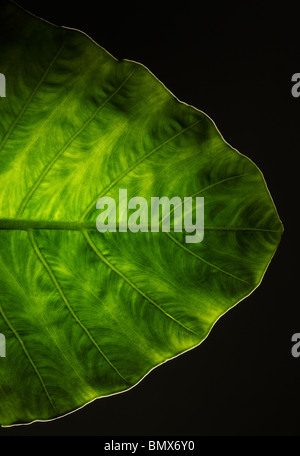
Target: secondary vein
x,y
18,337
130,168
61,152
203,260
18,118
207,188
59,289
126,279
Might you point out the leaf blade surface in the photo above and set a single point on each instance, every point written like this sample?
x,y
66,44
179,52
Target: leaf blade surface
x,y
85,314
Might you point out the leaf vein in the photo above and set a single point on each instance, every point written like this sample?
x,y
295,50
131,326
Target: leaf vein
x,y
203,260
207,188
126,279
25,225
27,354
59,289
61,152
130,168
19,116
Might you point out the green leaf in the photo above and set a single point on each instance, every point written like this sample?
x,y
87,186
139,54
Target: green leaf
x,y
87,314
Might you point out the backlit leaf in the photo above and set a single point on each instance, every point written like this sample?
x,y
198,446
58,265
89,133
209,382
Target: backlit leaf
x,y
85,314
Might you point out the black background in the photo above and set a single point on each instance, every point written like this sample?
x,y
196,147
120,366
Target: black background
x,y
235,63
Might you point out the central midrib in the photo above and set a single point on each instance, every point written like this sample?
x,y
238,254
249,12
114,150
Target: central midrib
x,y
17,224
